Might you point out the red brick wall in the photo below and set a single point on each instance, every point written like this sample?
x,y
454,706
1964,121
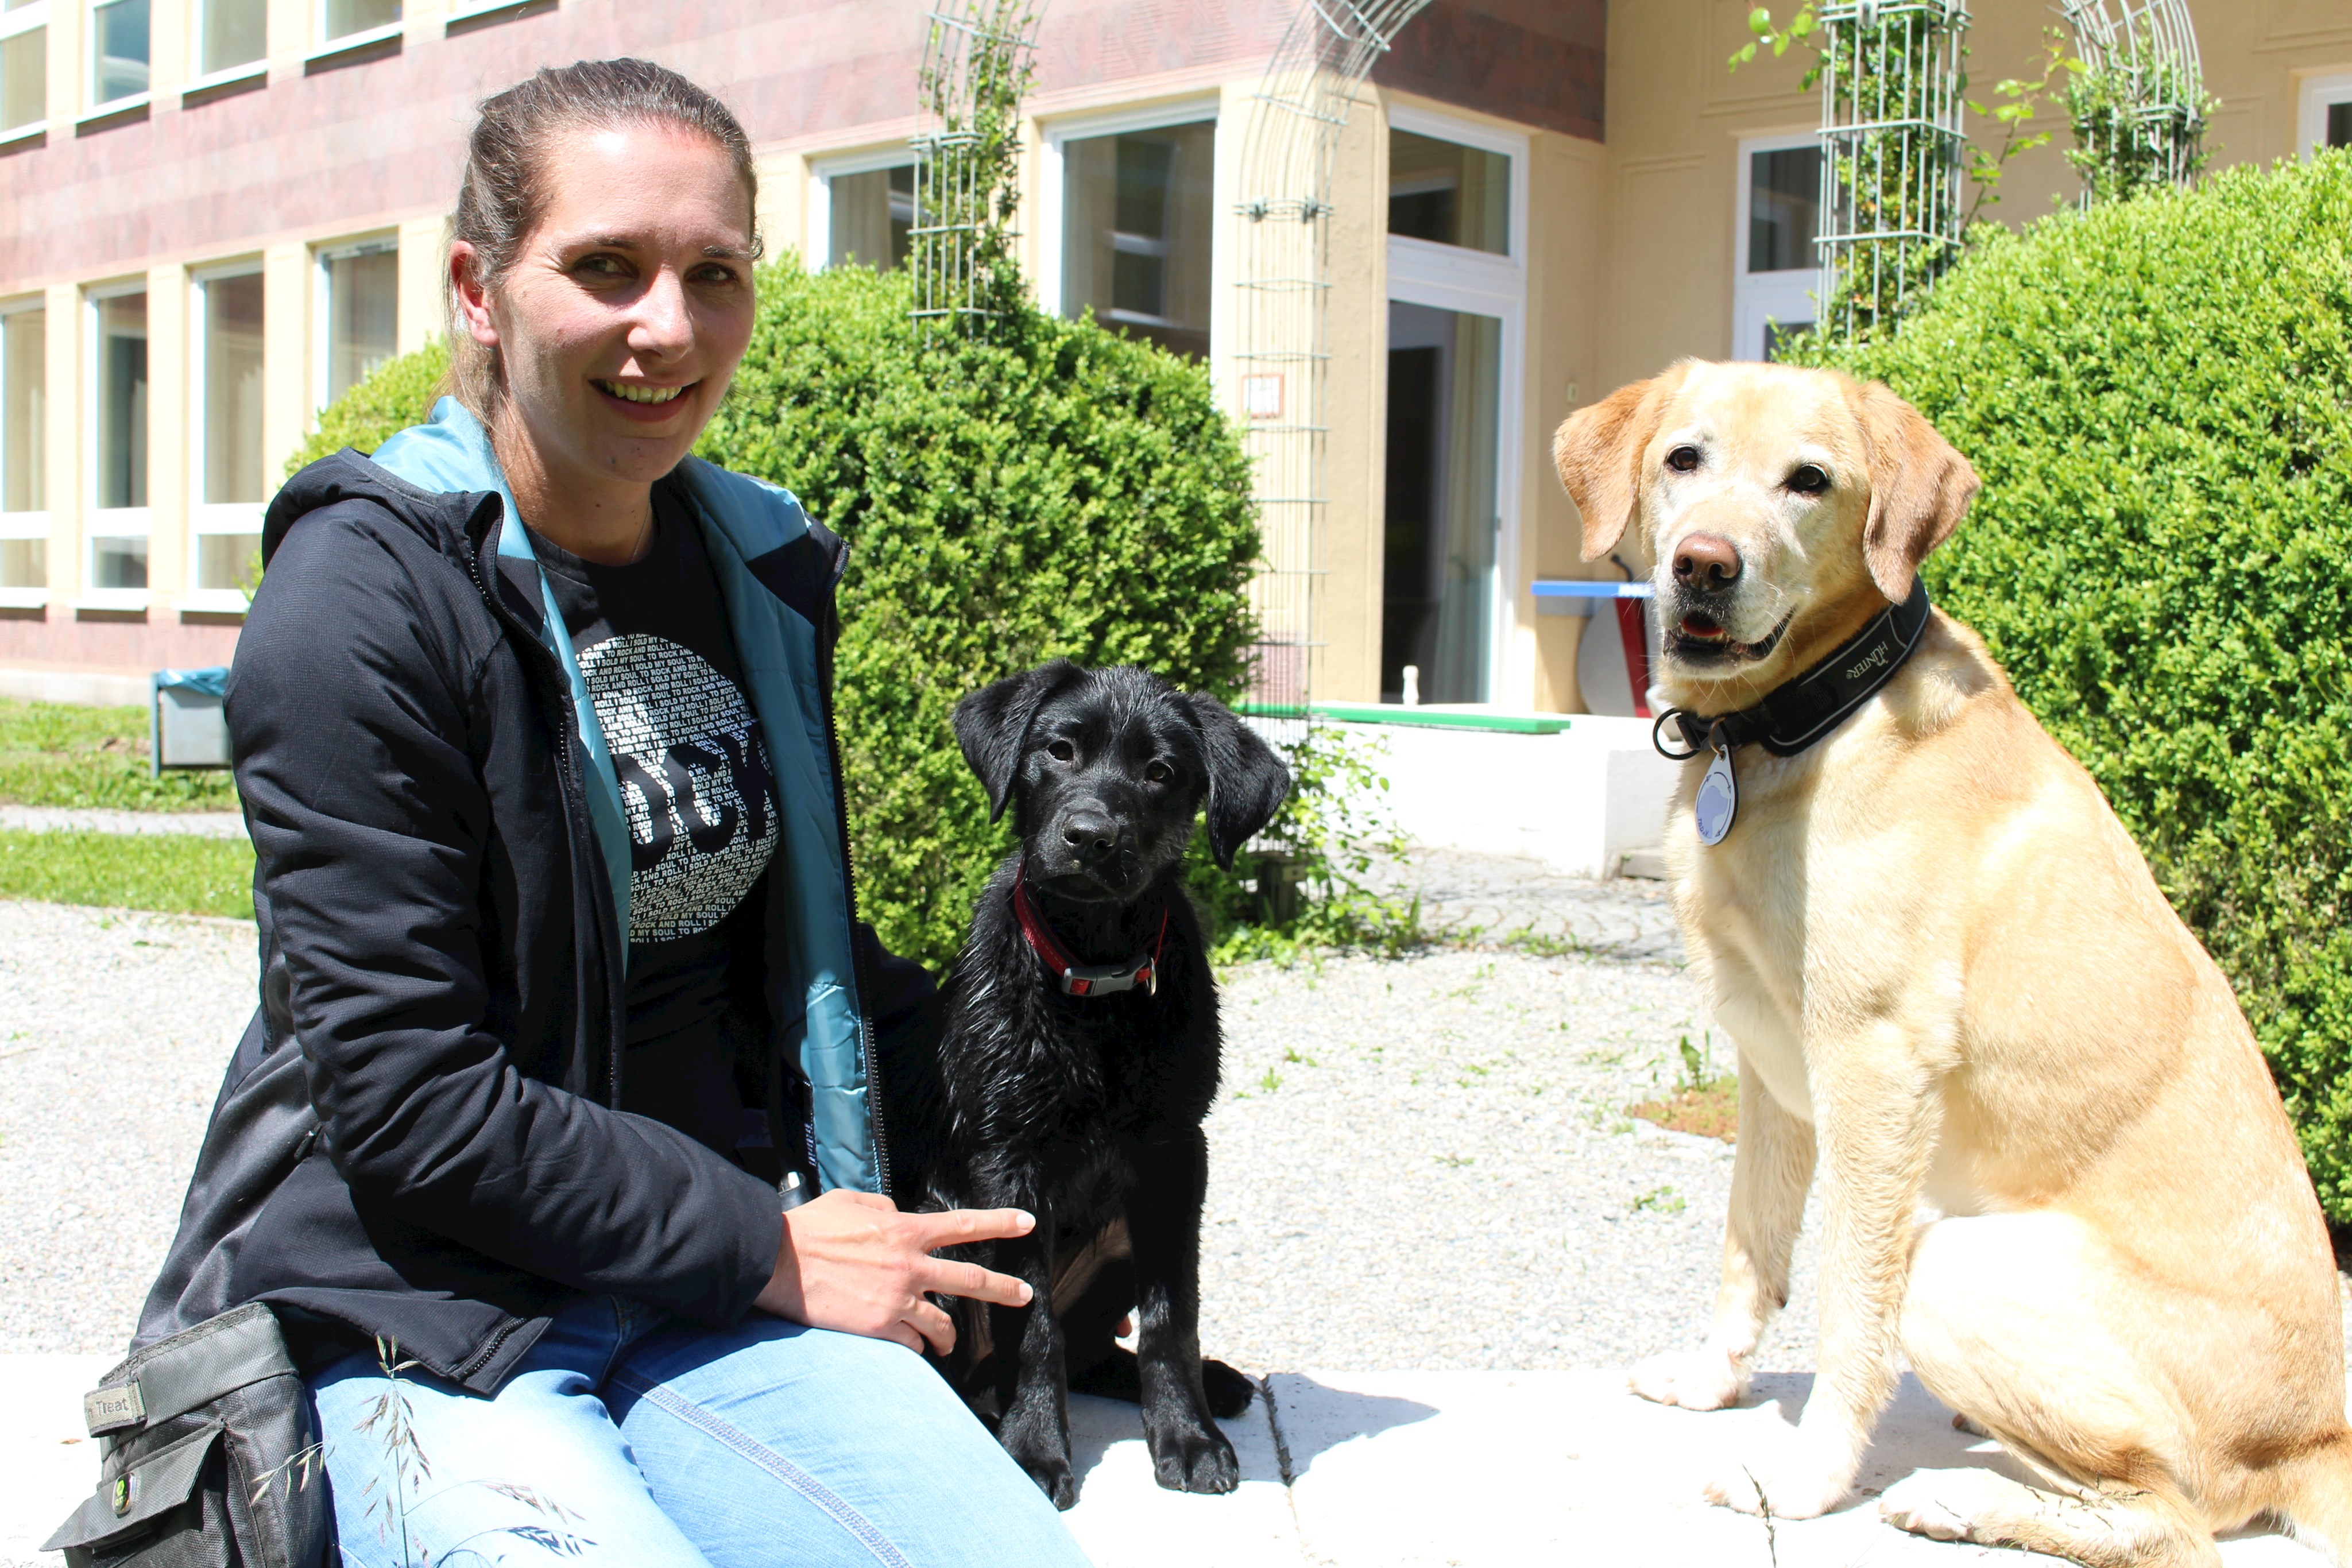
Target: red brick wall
x,y
1539,62
384,136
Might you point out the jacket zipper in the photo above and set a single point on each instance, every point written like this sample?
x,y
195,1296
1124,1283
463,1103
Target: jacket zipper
x,y
576,805
865,981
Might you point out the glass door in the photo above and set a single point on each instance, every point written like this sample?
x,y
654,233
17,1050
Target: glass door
x,y
1438,578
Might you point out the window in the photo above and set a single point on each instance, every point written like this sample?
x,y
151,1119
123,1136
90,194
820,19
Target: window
x,y
116,566
1138,209
230,460
23,440
1779,213
871,214
117,52
231,32
359,302
2326,114
342,18
1448,194
23,64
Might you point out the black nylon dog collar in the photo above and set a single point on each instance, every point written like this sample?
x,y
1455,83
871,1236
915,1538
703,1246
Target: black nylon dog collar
x,y
1799,712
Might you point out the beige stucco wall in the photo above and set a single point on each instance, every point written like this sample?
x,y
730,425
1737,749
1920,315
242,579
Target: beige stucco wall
x,y
1676,115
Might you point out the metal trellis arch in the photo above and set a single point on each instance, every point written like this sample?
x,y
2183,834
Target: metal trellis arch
x,y
1281,320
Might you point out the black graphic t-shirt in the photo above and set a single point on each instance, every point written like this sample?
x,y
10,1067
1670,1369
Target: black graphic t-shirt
x,y
654,646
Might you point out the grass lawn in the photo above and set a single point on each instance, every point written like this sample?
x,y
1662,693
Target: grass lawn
x,y
54,754
177,874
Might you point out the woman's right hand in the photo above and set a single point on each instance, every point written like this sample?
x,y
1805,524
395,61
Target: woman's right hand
x,y
851,1261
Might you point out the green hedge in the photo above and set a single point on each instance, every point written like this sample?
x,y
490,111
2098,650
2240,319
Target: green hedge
x,y
2158,394
1055,489
1058,490
388,400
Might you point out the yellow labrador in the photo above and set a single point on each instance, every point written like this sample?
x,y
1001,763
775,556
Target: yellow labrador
x,y
2056,1175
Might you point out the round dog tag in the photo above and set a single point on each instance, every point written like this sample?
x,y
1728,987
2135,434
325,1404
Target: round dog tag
x,y
1718,799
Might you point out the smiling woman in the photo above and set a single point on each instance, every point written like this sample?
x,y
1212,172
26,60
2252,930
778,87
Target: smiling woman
x,y
532,721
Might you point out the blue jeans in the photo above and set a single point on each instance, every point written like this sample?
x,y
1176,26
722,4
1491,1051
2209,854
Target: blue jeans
x,y
624,1438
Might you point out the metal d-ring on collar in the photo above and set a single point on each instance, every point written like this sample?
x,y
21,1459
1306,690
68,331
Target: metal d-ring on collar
x,y
1078,979
1799,711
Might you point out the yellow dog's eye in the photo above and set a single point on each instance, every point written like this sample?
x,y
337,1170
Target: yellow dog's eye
x,y
1683,459
1809,480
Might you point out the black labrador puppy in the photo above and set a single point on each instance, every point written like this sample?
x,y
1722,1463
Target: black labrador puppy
x,y
1080,1055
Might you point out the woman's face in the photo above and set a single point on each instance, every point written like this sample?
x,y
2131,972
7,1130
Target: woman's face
x,y
623,316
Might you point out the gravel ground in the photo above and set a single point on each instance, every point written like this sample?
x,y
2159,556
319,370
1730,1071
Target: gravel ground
x,y
1425,1164
114,1031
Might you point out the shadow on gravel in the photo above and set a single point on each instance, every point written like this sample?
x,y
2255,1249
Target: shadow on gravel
x,y
1310,1419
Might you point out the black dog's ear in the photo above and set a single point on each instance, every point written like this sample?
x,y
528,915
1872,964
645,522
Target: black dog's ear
x,y
1247,782
993,723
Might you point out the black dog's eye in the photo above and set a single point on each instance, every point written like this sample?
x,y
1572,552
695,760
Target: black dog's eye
x,y
1062,751
1809,480
1683,459
1159,772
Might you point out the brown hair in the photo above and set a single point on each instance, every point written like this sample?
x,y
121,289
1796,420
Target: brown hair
x,y
505,192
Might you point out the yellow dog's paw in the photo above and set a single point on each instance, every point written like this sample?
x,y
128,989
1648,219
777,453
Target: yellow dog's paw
x,y
1921,1503
1794,1475
1702,1379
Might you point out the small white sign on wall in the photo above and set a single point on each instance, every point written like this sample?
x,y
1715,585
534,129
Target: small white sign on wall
x,y
1262,396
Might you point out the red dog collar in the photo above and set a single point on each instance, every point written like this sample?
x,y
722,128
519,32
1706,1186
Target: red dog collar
x,y
1078,979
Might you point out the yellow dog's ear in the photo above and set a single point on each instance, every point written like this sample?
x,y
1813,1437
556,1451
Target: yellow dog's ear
x,y
1920,487
1598,451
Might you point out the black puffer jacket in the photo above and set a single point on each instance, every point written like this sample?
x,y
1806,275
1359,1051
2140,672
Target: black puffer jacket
x,y
417,1136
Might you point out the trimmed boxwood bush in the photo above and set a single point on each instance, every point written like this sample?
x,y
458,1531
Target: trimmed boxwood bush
x,y
1047,488
2158,394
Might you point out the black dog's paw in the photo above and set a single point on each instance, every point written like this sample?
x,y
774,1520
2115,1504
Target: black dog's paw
x,y
1229,1391
1187,1458
1046,1460
1054,1479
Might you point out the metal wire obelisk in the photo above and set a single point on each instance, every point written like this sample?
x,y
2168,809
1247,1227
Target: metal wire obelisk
x,y
1891,147
1283,286
2140,114
976,70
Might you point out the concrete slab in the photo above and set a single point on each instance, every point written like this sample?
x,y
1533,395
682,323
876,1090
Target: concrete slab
x,y
1125,1520
1402,1469
47,1462
1577,800
1468,1469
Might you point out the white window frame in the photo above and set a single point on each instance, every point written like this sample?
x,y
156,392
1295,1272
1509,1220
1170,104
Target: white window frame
x,y
331,45
113,522
25,525
1480,283
208,518
1485,139
199,80
817,247
1757,297
89,89
14,24
2315,96
1052,172
323,296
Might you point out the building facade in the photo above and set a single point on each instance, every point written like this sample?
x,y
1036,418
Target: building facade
x,y
217,215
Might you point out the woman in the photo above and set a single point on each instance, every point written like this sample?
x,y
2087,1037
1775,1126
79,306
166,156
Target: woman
x,y
532,720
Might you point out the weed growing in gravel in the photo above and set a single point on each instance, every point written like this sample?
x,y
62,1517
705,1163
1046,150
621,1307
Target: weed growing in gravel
x,y
1658,1201
1704,1102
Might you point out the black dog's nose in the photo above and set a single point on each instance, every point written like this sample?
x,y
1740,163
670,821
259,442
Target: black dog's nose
x,y
1091,835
